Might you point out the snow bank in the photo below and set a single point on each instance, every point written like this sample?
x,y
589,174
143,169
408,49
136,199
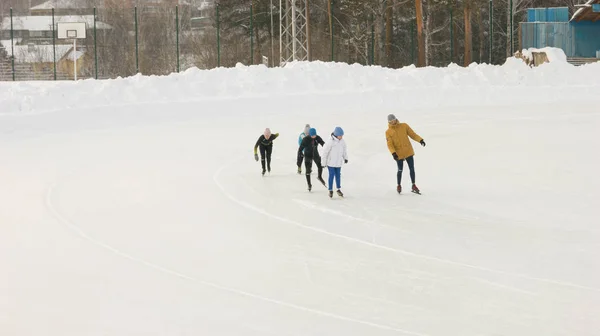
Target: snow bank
x,y
416,87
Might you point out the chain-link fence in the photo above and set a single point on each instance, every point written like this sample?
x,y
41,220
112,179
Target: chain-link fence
x,y
124,39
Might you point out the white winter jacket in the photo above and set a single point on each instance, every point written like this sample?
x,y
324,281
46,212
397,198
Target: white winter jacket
x,y
334,152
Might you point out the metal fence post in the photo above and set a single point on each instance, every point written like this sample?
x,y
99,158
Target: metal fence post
x,y
54,43
272,46
372,40
451,35
95,45
137,61
332,30
512,14
251,32
308,33
12,44
491,29
412,41
218,38
177,29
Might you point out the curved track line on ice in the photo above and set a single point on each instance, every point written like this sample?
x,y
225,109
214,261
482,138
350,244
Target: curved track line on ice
x,y
73,227
378,246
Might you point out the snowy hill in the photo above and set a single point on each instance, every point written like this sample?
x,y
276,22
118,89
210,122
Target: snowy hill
x,y
135,207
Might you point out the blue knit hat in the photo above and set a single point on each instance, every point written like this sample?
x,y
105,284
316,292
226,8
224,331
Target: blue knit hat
x,y
338,131
312,132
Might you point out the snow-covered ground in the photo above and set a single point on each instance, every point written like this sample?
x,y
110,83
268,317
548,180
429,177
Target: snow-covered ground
x,y
135,207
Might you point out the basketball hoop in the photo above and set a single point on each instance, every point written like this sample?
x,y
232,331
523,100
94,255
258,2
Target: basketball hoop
x,y
74,31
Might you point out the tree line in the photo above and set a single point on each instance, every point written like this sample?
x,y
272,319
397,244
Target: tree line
x,y
391,33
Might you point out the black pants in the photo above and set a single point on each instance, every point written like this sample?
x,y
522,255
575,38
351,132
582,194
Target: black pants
x,y
411,166
265,154
299,160
308,161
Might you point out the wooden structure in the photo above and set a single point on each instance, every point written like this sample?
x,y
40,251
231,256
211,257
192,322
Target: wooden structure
x,y
588,12
537,59
551,27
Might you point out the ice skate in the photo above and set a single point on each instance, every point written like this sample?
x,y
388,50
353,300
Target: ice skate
x,y
340,193
330,194
308,182
415,189
399,189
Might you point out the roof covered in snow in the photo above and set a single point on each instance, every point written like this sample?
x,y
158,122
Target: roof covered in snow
x,y
37,53
586,12
44,23
78,54
197,3
60,4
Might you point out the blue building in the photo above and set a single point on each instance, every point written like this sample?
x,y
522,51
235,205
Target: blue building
x,y
578,36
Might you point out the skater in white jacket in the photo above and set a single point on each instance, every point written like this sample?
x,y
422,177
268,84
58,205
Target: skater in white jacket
x,y
334,155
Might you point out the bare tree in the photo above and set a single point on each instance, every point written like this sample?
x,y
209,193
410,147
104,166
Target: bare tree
x,y
420,35
157,49
514,15
436,21
116,47
467,6
481,34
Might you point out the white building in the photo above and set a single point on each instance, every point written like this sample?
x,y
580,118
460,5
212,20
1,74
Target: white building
x,y
37,29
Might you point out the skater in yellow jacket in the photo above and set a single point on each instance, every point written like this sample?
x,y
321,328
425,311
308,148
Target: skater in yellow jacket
x,y
398,142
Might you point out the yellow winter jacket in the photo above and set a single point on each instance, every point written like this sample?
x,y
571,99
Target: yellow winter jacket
x,y
398,142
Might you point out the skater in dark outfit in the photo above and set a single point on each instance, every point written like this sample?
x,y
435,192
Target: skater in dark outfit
x,y
398,142
301,137
310,152
265,143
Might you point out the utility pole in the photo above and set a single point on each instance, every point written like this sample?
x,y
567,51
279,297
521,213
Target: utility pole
x,y
293,32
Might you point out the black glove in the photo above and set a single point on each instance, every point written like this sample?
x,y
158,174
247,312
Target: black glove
x,y
256,157
345,161
422,142
395,156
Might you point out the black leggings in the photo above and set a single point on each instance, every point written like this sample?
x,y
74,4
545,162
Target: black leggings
x,y
308,161
411,166
265,153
